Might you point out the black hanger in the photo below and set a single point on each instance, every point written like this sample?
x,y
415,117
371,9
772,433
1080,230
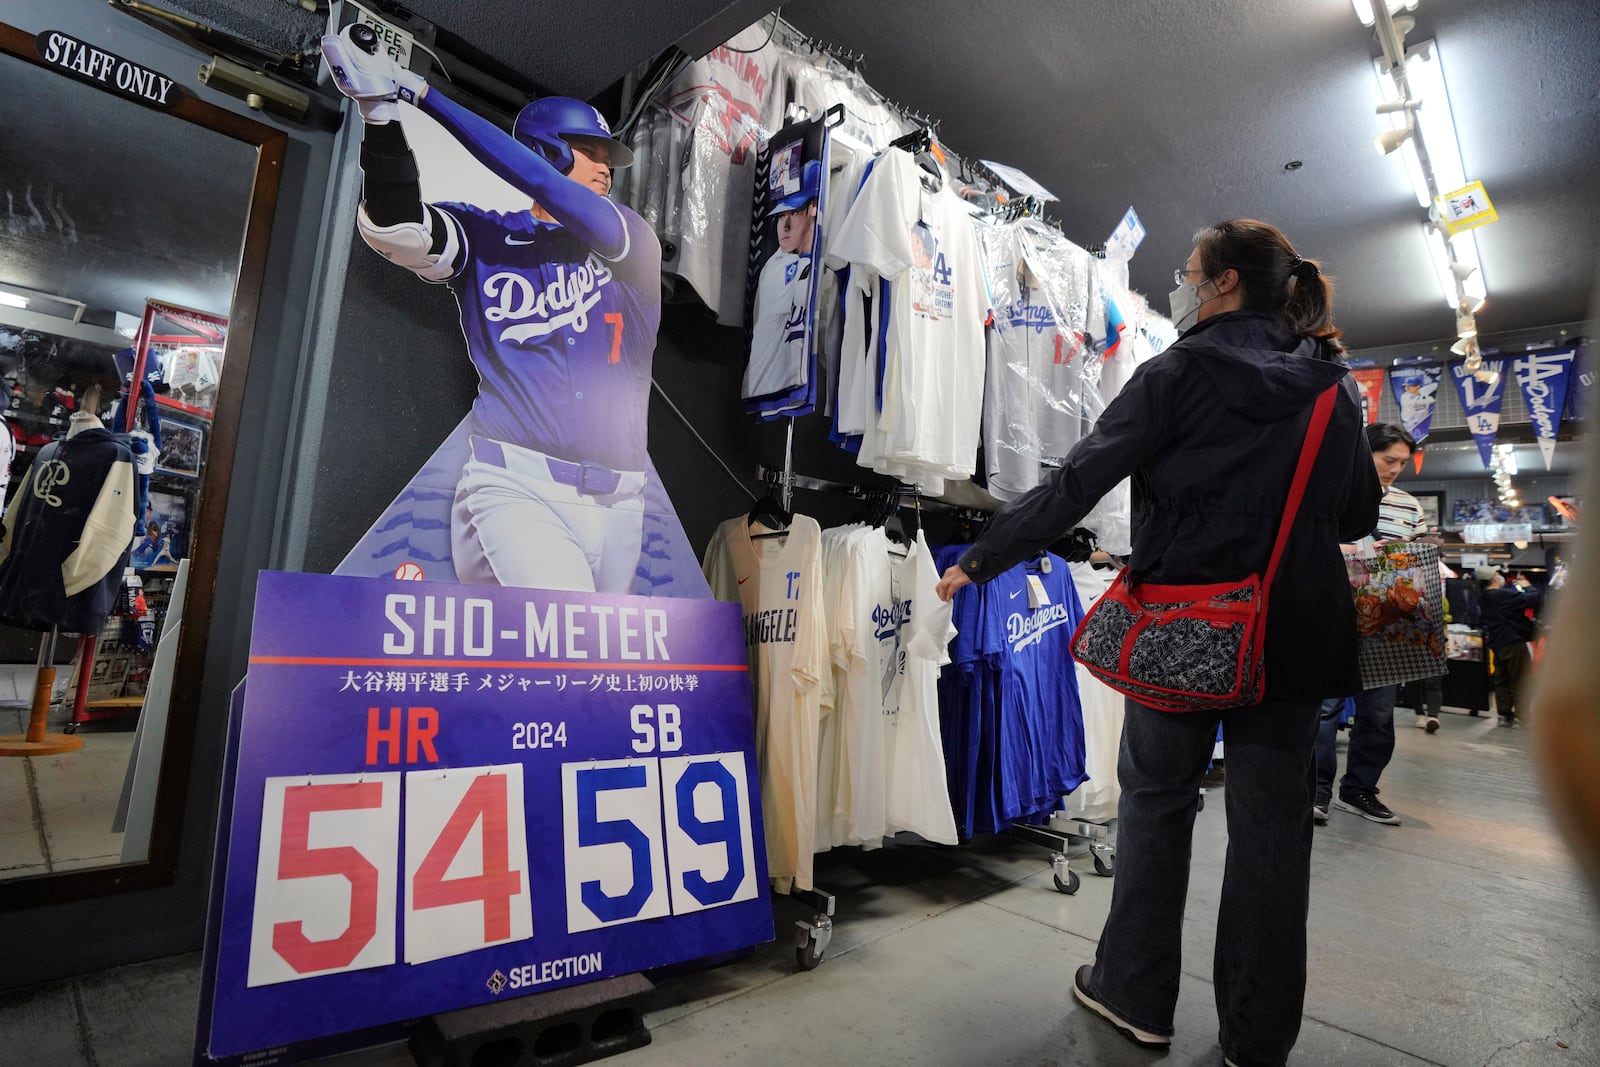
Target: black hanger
x,y
770,512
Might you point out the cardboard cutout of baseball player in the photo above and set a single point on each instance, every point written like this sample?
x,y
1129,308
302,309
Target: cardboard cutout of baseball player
x,y
546,483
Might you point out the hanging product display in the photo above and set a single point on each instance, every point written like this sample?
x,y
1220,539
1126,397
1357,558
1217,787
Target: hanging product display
x,y
1581,387
909,231
1010,714
1482,392
883,761
1545,378
696,146
789,221
1416,391
68,532
1103,710
1369,382
778,581
1042,390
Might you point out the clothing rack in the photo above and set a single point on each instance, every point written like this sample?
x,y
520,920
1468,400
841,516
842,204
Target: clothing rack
x,y
1057,836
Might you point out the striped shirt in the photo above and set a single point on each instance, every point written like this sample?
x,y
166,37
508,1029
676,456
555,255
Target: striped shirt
x,y
1399,519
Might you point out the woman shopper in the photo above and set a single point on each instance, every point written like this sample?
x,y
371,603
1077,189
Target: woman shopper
x,y
1210,432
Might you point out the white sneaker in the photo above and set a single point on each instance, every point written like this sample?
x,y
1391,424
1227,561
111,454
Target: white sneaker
x,y
1431,725
1422,723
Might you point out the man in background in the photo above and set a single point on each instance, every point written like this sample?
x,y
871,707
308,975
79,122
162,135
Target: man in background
x,y
1507,629
1372,732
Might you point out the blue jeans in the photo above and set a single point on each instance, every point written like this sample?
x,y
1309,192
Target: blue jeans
x,y
1371,744
1259,968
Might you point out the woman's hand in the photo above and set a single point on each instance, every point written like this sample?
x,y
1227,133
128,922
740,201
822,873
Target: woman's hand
x,y
954,578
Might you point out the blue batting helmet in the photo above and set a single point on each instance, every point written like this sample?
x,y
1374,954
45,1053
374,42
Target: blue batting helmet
x,y
546,124
810,182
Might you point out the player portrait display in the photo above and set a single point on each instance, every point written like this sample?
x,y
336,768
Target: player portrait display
x,y
784,275
547,482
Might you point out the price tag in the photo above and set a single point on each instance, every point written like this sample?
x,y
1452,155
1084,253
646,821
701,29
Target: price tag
x,y
1037,597
326,877
466,861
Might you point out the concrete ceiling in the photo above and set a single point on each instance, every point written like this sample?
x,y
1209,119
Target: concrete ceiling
x,y
1190,111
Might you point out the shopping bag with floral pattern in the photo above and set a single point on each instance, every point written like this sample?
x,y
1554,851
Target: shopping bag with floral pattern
x,y
1399,614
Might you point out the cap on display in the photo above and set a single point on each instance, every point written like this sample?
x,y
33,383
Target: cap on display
x,y
1486,574
810,182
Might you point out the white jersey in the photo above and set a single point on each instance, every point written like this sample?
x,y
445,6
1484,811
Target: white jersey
x,y
819,85
8,455
778,359
778,583
869,686
918,796
1103,709
832,771
923,243
698,143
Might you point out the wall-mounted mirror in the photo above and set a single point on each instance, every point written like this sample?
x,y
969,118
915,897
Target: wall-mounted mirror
x,y
132,240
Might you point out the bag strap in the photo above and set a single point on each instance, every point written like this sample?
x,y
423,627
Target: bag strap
x,y
1321,414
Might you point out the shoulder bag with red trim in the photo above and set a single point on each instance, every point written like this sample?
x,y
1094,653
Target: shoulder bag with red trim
x,y
1191,647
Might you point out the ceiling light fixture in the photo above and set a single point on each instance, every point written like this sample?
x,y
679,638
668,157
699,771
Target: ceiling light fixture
x,y
1365,14
1389,140
1466,327
12,300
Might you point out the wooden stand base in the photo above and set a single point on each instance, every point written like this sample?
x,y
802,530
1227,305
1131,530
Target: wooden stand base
x,y
46,745
36,742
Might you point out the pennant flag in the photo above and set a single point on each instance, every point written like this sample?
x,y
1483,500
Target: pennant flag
x,y
1580,387
1544,377
1416,390
1481,401
1369,380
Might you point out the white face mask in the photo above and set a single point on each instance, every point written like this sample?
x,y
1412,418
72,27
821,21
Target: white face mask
x,y
1185,300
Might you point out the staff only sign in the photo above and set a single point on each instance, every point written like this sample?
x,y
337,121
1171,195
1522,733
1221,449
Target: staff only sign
x,y
446,795
98,67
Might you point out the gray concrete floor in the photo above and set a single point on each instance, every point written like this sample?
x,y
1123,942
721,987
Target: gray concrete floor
x,y
59,808
1463,937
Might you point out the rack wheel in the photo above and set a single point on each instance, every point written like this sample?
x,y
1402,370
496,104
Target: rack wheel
x,y
1070,886
1102,868
70,728
811,941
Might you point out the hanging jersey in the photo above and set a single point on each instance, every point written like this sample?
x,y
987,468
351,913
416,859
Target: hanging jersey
x,y
918,795
778,357
778,582
923,244
703,133
1103,710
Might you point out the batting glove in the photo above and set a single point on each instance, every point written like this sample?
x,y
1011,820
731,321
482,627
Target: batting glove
x,y
369,77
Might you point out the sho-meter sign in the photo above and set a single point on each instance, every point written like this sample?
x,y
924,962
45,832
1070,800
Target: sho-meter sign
x,y
442,795
1466,209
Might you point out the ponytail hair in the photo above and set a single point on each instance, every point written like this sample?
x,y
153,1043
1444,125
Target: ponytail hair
x,y
1273,275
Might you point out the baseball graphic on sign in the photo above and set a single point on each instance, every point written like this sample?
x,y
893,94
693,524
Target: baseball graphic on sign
x,y
409,572
546,483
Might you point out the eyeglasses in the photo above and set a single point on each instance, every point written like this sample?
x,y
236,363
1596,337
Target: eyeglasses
x,y
1183,272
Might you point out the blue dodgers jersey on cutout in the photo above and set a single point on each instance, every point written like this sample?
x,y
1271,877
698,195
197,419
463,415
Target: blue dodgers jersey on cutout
x,y
562,338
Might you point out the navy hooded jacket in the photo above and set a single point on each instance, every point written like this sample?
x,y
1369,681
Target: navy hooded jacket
x,y
1210,432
